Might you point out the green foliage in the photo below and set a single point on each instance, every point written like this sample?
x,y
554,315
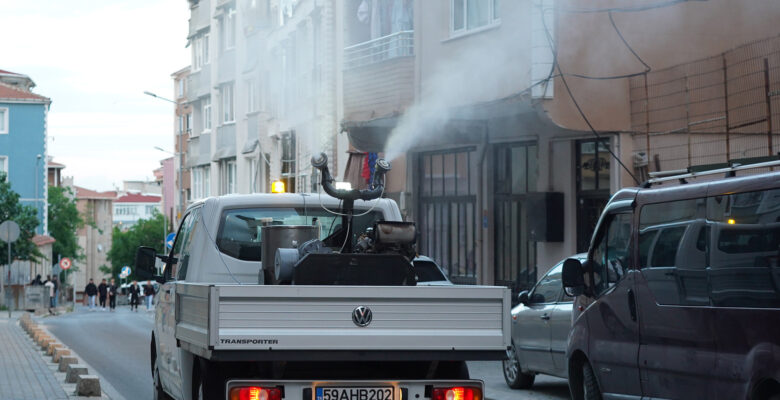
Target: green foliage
x,y
146,232
64,222
25,216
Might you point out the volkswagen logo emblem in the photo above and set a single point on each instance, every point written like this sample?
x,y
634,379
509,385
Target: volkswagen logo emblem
x,y
361,316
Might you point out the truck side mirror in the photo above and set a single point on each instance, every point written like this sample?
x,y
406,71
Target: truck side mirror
x,y
573,277
522,297
144,263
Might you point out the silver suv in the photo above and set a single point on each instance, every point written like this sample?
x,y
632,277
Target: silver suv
x,y
540,330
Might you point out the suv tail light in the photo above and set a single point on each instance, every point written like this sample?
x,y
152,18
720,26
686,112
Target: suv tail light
x,y
255,393
456,393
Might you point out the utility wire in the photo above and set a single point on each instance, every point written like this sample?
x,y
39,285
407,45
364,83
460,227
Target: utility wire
x,y
556,64
628,9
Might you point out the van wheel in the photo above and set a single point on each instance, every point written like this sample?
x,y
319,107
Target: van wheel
x,y
159,393
207,383
513,375
590,386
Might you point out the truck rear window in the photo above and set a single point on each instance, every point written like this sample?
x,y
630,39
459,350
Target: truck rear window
x,y
240,235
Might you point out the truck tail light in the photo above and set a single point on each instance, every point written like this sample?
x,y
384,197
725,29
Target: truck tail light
x,y
456,393
255,393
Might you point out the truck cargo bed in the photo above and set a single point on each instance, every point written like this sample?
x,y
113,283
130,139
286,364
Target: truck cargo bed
x,y
313,322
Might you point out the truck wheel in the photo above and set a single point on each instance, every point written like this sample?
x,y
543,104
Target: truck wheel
x,y
590,386
513,375
452,370
159,393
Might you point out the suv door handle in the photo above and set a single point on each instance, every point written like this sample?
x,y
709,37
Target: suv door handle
x,y
545,317
632,304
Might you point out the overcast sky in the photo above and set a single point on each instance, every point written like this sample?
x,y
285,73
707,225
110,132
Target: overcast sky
x,y
94,59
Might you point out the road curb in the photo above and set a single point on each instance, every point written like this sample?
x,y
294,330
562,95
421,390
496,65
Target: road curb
x,y
59,357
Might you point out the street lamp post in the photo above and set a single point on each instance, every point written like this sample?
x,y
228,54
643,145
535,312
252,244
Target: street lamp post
x,y
180,153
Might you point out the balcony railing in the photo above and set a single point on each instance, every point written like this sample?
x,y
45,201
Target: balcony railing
x,y
399,44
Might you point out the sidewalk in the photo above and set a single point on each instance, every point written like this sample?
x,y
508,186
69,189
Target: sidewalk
x,y
23,373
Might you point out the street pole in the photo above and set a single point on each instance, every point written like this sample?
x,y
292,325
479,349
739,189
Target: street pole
x,y
37,161
5,289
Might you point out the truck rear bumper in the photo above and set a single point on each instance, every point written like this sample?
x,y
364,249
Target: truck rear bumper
x,y
358,389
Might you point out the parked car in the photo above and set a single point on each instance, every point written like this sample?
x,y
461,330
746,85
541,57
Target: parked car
x,y
540,328
679,297
429,273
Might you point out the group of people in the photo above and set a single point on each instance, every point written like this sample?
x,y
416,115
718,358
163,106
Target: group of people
x,y
108,292
53,284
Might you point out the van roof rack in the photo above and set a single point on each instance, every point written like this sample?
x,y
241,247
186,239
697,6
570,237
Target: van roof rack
x,y
729,169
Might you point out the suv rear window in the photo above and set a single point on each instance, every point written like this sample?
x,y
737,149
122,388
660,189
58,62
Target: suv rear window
x,y
240,235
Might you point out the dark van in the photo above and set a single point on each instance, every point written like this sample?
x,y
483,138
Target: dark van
x,y
679,297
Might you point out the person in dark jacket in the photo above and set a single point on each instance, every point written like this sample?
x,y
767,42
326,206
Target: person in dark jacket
x,y
37,280
56,281
91,291
135,293
149,293
112,295
103,293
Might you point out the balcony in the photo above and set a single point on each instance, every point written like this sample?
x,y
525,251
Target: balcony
x,y
379,75
199,16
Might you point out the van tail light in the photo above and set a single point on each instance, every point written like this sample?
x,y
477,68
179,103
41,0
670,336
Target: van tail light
x,y
456,393
255,393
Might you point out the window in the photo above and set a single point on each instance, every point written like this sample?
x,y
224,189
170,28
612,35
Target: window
x,y
548,290
181,124
467,15
180,85
231,176
188,127
3,120
239,234
228,29
207,114
610,255
200,182
150,209
200,52
4,164
672,251
187,231
743,258
252,104
228,115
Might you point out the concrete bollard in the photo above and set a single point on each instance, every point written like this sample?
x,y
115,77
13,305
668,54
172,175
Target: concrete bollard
x,y
42,338
59,353
65,361
45,343
88,385
74,370
52,346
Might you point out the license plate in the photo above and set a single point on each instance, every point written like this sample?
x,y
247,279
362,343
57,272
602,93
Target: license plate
x,y
354,393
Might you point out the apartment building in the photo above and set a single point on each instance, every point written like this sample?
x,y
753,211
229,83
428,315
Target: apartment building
x,y
180,176
264,94
94,238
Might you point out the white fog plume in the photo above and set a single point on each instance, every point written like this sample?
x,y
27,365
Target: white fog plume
x,y
492,70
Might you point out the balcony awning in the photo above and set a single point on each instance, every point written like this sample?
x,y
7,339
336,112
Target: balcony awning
x,y
528,119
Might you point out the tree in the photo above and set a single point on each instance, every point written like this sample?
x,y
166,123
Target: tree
x,y
25,216
145,232
64,222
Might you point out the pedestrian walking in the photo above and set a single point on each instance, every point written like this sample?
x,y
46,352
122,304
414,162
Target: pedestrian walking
x,y
50,287
149,293
103,293
91,291
56,281
135,293
112,295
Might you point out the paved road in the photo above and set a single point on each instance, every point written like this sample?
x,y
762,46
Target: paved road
x,y
116,345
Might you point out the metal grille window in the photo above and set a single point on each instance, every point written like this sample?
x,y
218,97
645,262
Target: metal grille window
x,y
448,217
593,180
515,176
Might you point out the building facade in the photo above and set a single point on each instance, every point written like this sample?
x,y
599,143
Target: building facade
x,y
129,208
181,176
264,92
166,179
94,238
23,152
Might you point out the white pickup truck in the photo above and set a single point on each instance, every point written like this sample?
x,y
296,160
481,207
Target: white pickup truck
x,y
333,315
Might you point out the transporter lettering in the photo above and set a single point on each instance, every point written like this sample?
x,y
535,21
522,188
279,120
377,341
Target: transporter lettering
x,y
249,341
